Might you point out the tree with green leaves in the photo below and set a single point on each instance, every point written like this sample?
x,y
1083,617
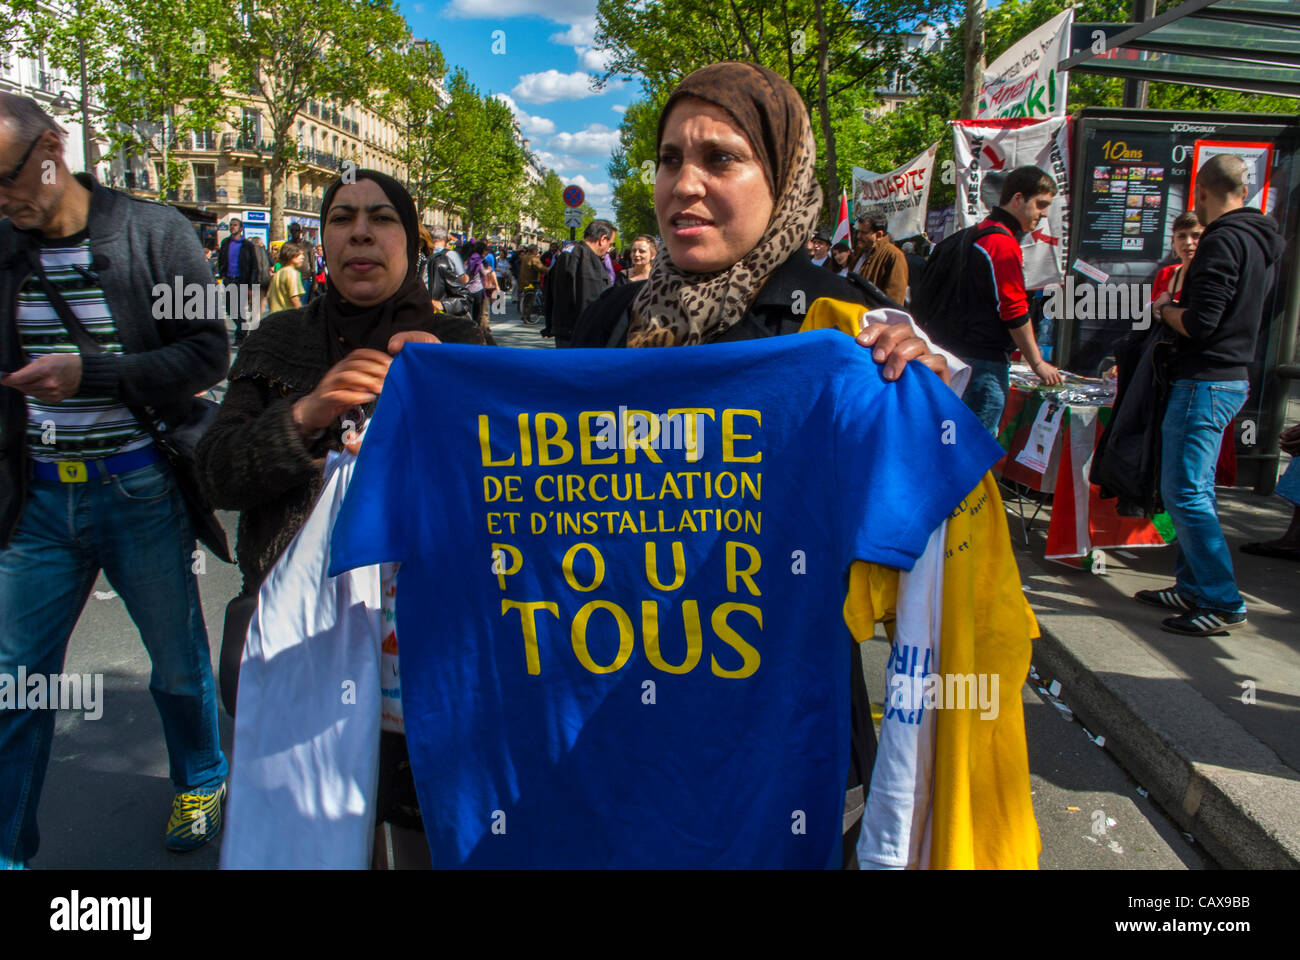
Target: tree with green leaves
x,y
632,169
150,63
466,153
414,98
834,52
340,53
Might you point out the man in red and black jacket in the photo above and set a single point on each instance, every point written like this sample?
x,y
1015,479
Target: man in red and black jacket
x,y
997,309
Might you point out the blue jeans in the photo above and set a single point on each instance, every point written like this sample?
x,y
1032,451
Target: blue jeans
x,y
986,393
133,526
1197,414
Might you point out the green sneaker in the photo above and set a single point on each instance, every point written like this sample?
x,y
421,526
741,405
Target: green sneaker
x,y
195,819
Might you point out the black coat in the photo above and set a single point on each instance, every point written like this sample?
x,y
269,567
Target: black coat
x,y
1127,462
778,310
247,259
576,279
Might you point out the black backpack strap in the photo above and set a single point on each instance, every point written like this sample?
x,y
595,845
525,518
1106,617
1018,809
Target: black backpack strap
x,y
85,341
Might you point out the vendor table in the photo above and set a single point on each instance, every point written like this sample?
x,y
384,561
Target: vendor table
x,y
1052,454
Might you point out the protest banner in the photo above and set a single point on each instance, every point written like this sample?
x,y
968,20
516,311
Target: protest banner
x,y
1024,81
988,150
899,196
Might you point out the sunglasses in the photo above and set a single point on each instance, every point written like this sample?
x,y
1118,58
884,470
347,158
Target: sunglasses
x,y
8,181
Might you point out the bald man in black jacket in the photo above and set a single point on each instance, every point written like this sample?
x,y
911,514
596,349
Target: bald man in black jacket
x,y
1217,321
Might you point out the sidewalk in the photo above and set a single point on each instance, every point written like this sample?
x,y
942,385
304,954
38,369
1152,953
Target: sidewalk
x,y
1209,725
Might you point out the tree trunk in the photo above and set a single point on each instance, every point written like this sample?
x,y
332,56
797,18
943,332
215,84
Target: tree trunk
x,y
823,103
279,182
165,179
974,58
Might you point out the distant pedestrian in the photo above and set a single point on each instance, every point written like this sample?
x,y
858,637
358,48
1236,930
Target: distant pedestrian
x,y
576,279
287,291
879,261
237,267
641,258
309,258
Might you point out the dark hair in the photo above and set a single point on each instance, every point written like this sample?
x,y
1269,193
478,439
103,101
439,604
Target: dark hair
x,y
1187,220
1029,181
874,224
288,251
599,230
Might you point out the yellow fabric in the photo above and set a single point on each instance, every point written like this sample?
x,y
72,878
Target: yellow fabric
x,y
827,314
982,814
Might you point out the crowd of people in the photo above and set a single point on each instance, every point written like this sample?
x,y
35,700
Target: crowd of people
x,y
738,242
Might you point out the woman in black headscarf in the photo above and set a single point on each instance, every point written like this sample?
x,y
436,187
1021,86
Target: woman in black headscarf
x,y
306,376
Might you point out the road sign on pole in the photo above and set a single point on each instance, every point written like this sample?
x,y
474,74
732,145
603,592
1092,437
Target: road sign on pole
x,y
573,195
573,218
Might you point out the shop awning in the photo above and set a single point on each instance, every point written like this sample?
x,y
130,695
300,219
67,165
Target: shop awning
x,y
1247,45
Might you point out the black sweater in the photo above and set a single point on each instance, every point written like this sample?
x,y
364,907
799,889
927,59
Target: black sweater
x,y
777,310
1228,283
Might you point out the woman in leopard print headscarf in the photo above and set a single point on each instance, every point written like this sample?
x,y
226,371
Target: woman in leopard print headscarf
x,y
736,197
698,289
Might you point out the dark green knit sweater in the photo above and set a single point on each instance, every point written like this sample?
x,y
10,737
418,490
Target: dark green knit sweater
x,y
252,459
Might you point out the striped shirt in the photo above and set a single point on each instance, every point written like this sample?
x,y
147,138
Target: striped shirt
x,y
83,427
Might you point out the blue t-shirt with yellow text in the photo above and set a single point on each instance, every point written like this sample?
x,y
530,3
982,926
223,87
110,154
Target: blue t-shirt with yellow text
x,y
623,572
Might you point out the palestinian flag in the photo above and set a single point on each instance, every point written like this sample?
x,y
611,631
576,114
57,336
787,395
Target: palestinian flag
x,y
842,229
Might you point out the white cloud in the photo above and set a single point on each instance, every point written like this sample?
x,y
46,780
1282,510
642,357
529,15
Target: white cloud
x,y
531,125
619,108
594,60
560,162
580,33
594,140
563,11
551,85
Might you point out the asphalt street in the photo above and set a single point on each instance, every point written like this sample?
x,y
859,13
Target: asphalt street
x,y
107,793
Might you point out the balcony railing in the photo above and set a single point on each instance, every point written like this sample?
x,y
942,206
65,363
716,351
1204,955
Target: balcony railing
x,y
302,201
242,143
320,158
253,195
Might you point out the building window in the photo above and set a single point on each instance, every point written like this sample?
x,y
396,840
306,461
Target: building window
x,y
205,182
253,185
250,129
205,140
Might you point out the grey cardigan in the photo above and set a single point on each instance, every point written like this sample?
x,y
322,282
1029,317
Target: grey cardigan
x,y
135,244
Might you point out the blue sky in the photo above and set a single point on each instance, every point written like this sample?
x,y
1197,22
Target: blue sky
x,y
544,73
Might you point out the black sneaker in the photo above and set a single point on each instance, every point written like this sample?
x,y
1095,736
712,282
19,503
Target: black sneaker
x,y
1202,622
1170,598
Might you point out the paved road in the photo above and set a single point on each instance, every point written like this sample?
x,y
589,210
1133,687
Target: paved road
x,y
107,793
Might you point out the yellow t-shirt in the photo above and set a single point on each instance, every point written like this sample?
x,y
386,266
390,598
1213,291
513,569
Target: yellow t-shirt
x,y
982,814
286,284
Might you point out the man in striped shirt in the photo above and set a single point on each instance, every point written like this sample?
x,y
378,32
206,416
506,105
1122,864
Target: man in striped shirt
x,y
82,486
